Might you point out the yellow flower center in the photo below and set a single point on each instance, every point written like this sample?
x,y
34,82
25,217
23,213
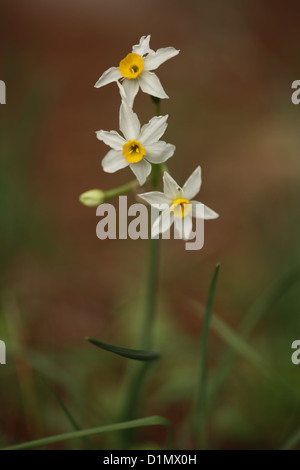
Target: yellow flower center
x,y
133,151
132,66
180,207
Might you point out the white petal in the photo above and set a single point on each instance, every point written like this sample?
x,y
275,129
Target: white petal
x,y
187,226
150,84
153,130
197,209
155,197
205,211
113,161
171,189
129,122
143,46
193,184
162,223
131,87
110,75
159,152
155,59
111,138
122,91
141,170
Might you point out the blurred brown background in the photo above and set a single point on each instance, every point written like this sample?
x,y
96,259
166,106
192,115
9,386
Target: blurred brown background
x,y
230,111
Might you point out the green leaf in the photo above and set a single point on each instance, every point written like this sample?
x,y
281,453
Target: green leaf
x,y
136,354
200,414
137,423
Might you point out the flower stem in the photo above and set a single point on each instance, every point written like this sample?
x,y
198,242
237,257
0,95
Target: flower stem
x,y
163,168
155,167
150,295
111,193
141,371
153,269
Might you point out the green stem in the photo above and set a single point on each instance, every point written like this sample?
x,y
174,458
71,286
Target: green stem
x,y
142,370
163,168
121,190
150,295
153,270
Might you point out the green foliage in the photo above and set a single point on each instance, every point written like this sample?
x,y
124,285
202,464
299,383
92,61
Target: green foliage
x,y
135,354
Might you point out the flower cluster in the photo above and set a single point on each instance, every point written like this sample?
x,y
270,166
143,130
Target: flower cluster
x,y
139,147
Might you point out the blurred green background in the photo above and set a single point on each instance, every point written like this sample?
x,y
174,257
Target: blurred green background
x,y
230,111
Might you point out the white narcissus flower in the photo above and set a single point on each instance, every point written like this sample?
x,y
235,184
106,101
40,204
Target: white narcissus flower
x,y
178,203
135,70
138,147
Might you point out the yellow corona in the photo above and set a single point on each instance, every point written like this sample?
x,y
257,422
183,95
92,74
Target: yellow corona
x,y
133,151
132,66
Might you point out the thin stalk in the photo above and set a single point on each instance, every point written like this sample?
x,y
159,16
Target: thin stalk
x,y
150,303
156,167
146,337
126,188
142,370
68,415
163,168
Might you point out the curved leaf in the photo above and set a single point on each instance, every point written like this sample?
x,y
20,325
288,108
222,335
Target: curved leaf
x,y
136,354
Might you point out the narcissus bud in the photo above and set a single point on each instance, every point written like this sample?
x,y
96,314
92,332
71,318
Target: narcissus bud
x,y
92,198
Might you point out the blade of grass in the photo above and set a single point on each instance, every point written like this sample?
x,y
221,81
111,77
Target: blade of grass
x,y
240,347
200,414
149,421
251,319
234,340
268,298
292,442
67,413
136,354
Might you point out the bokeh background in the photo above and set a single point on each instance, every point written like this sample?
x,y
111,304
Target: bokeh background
x,y
230,111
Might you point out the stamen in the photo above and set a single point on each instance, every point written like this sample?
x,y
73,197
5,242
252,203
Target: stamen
x,y
133,151
134,69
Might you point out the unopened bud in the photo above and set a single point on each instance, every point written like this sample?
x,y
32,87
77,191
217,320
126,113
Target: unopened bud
x,y
92,198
